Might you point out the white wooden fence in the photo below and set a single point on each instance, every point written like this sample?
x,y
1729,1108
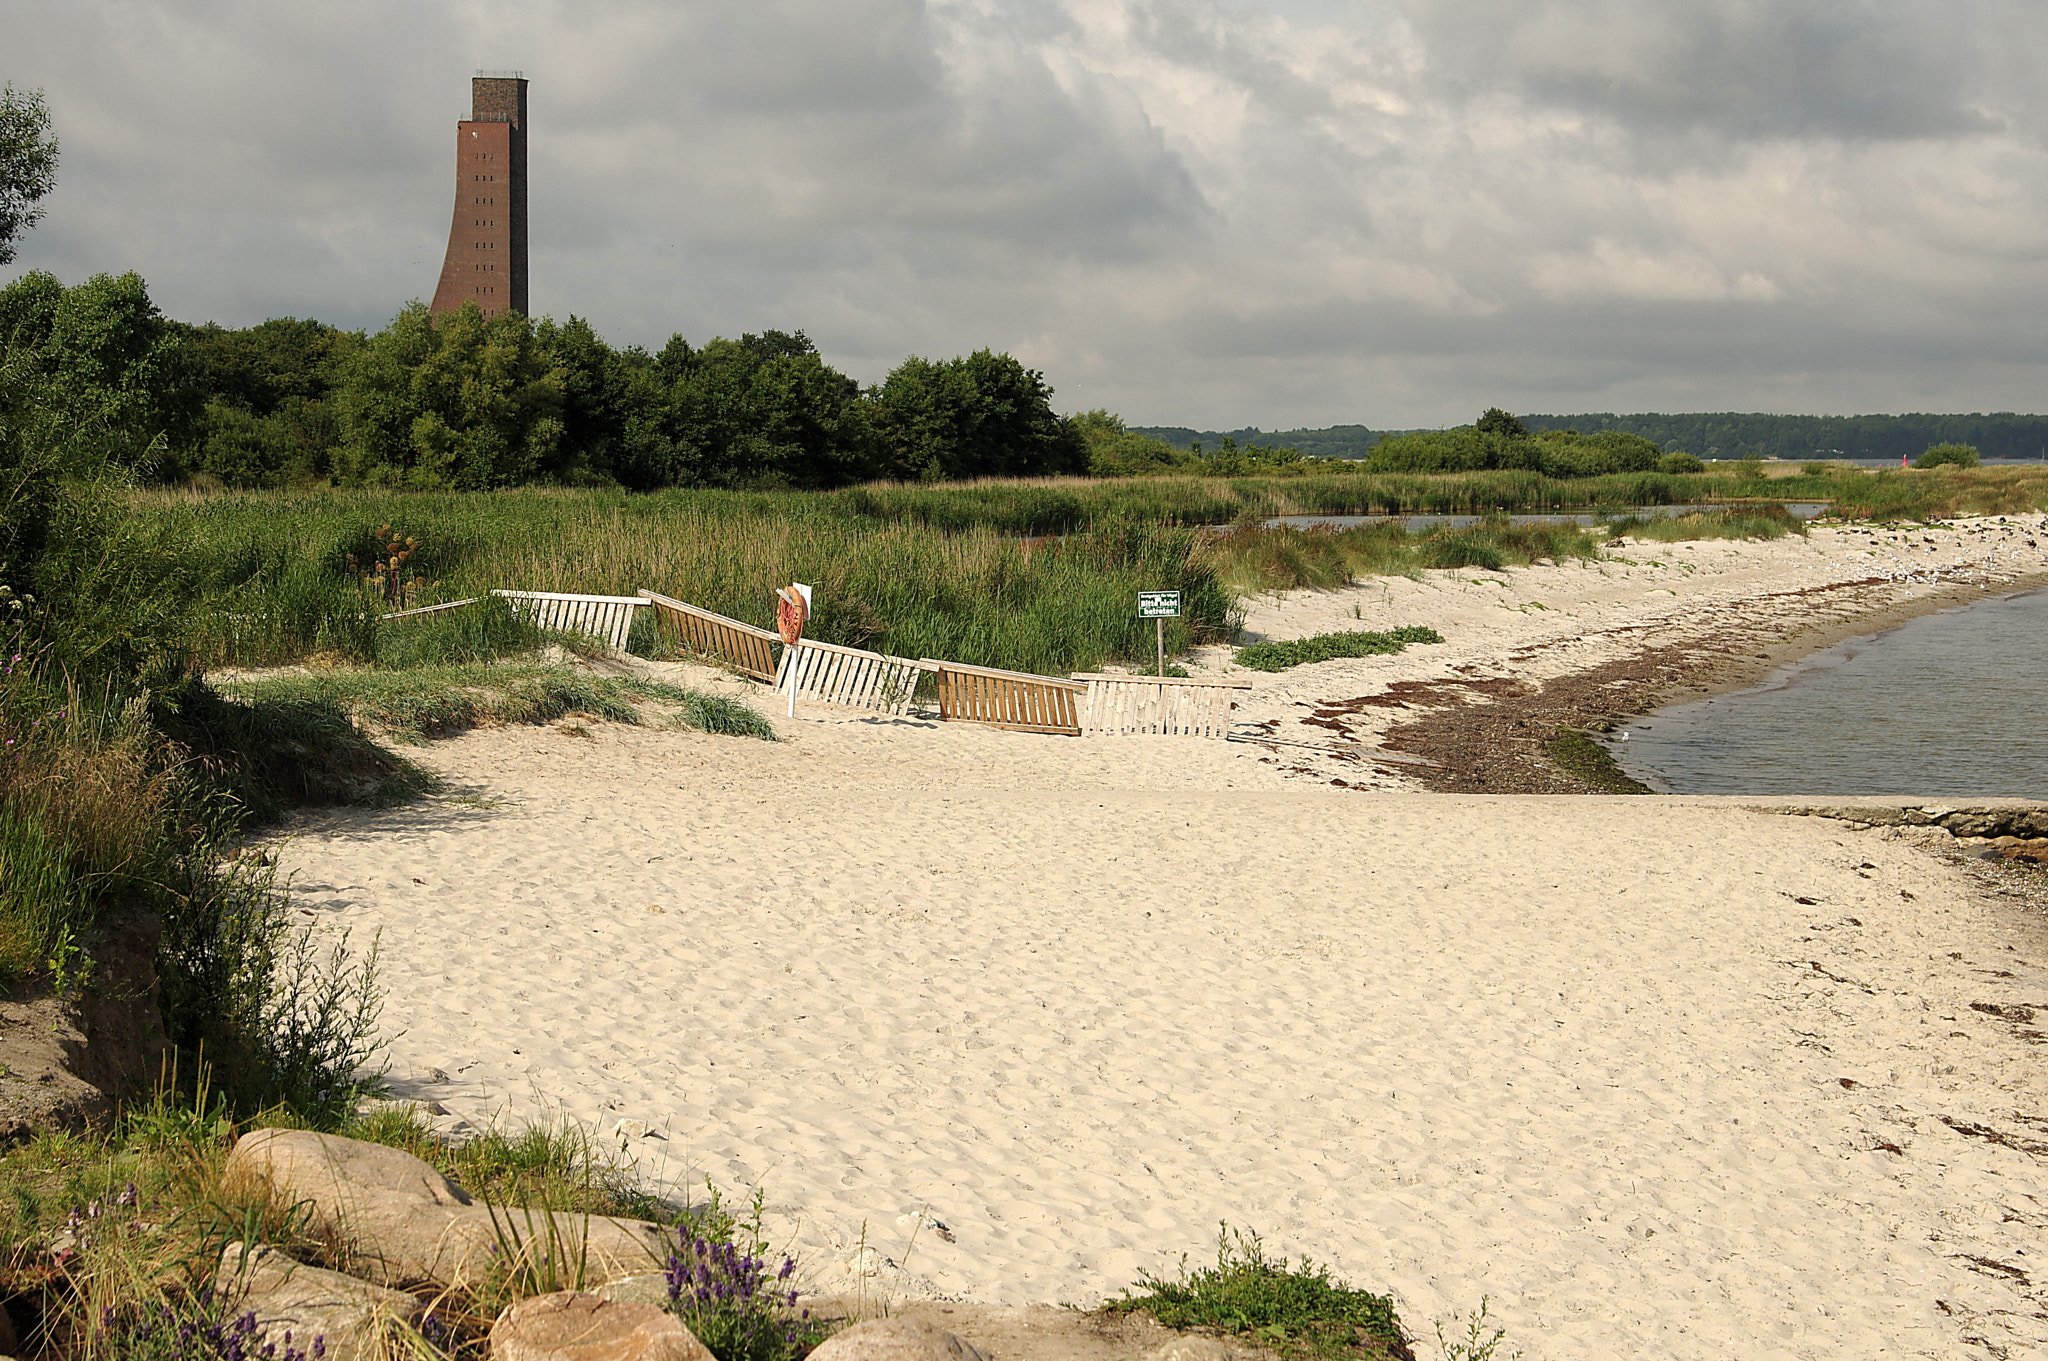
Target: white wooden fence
x,y
609,617
846,675
1175,706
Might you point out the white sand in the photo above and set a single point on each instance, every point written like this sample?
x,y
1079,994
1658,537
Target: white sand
x,y
1079,1000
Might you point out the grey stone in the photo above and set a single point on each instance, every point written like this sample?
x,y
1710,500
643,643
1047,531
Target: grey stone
x,y
576,1326
299,1302
404,1221
896,1339
1192,1349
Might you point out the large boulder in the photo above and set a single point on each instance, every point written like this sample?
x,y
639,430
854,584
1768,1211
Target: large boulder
x,y
394,1219
295,1303
575,1326
896,1339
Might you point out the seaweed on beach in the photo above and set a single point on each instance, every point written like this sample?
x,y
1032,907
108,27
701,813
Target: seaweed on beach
x,y
1579,756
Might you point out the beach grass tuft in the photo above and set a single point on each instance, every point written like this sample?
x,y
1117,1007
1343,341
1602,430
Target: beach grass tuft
x,y
1295,1308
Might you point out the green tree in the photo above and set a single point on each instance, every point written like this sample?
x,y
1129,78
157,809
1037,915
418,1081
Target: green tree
x,y
761,411
1114,451
984,415
28,164
450,402
1498,422
111,360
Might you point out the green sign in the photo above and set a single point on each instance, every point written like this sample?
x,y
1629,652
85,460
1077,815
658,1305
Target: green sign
x,y
1159,604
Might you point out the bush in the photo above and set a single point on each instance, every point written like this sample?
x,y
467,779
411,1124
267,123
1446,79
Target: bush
x,y
1680,464
1950,455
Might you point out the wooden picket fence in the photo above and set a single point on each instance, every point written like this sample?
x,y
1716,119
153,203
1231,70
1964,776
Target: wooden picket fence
x,y
1176,706
748,649
847,675
609,617
1007,699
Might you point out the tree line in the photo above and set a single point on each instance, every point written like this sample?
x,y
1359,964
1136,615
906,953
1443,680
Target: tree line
x,y
467,403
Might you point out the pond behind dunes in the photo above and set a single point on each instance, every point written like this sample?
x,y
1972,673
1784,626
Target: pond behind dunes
x,y
1949,705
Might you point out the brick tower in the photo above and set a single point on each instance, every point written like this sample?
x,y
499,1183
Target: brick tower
x,y
486,261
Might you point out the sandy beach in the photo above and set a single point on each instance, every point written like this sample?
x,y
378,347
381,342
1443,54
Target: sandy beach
x,y
1013,1018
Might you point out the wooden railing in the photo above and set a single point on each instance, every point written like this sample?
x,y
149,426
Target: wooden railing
x,y
1176,706
609,617
846,675
1007,699
746,648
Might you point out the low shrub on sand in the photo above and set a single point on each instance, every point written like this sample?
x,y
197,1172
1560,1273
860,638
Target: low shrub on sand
x,y
1295,1308
1328,646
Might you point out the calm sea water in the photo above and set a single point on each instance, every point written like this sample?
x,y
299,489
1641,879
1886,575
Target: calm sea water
x,y
1949,705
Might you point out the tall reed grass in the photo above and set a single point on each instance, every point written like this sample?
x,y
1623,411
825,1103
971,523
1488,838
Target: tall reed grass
x,y
271,573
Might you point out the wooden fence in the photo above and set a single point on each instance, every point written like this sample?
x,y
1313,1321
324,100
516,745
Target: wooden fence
x,y
609,617
1006,699
749,649
847,675
1176,706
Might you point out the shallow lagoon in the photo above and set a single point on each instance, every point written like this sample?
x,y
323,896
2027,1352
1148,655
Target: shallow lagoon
x,y
1949,705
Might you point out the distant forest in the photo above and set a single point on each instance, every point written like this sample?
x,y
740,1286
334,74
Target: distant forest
x,y
1724,435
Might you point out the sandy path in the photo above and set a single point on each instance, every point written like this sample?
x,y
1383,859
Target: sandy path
x,y
1568,1053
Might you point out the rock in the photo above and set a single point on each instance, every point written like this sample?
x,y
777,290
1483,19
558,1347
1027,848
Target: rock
x,y
574,1326
646,1287
1976,822
1192,1349
405,1221
896,1339
290,1298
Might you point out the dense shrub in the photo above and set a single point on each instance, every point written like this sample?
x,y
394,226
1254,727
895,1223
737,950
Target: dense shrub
x,y
1948,455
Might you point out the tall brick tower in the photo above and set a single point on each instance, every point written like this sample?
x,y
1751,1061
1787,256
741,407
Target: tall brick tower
x,y
486,261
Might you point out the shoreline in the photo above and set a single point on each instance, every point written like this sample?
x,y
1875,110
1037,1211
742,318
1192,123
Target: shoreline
x,y
1467,740
1662,1077
1538,650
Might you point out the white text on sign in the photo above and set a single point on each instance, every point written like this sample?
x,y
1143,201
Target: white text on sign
x,y
1159,604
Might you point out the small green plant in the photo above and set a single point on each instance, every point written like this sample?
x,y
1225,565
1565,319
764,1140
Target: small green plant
x,y
1328,646
720,1285
1478,1344
1295,1308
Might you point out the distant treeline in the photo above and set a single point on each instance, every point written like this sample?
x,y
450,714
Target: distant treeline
x,y
1721,435
1726,435
464,403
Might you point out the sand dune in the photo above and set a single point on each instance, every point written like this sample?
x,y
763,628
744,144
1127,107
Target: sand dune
x,y
1029,1015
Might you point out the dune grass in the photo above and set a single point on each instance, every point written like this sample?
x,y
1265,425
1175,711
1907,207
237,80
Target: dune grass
x,y
437,701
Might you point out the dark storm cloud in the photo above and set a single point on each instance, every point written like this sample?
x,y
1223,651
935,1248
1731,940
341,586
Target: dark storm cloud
x,y
1193,211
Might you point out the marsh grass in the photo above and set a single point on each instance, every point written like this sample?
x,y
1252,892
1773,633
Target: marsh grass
x,y
1767,521
1329,646
1253,558
1295,1308
435,701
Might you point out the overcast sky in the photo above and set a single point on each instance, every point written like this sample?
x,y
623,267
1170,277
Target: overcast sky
x,y
1199,212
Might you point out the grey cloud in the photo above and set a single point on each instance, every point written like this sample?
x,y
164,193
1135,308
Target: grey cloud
x,y
1856,69
1211,212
